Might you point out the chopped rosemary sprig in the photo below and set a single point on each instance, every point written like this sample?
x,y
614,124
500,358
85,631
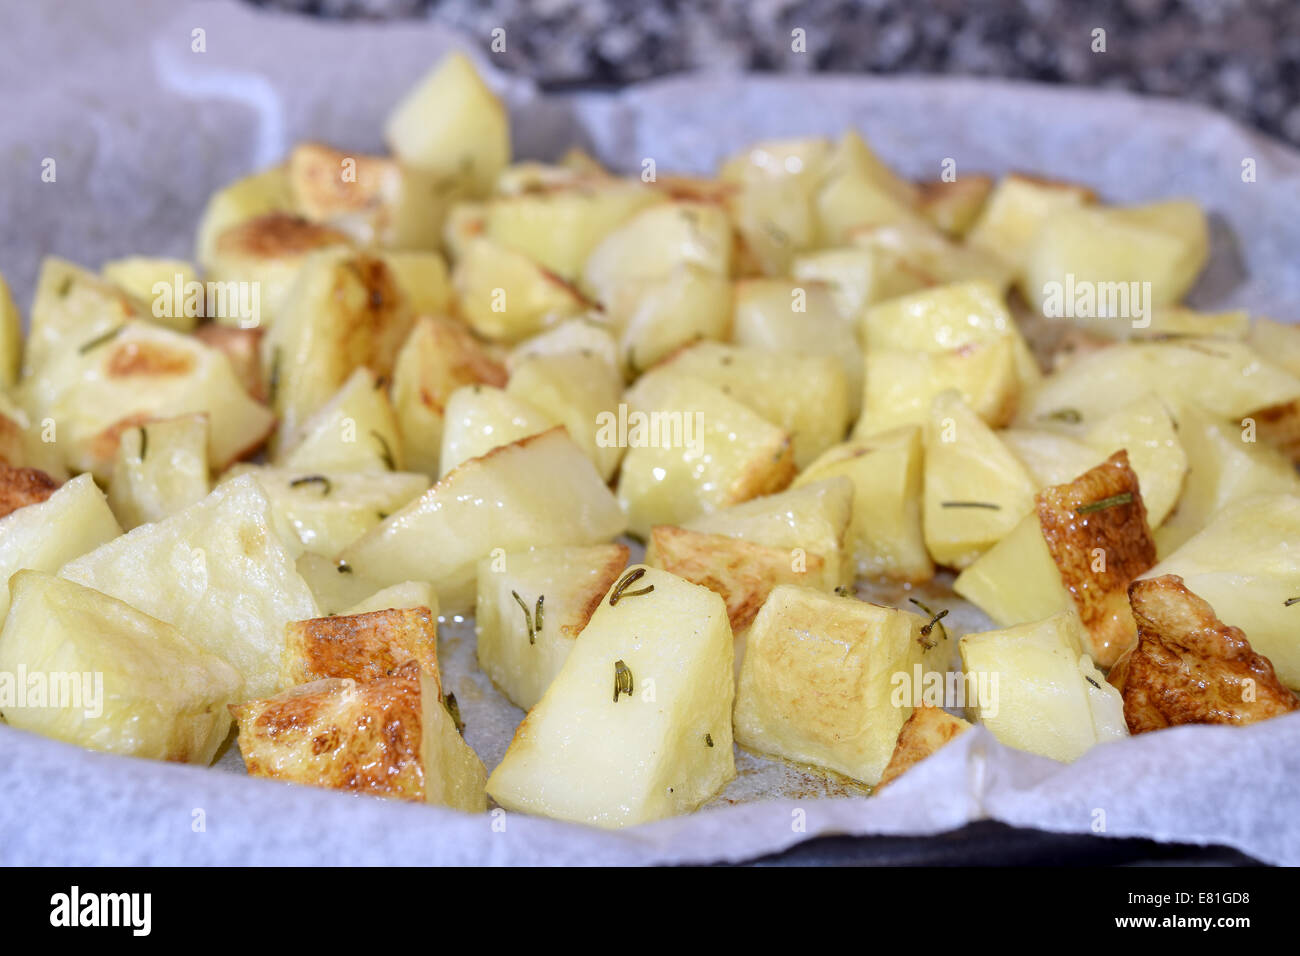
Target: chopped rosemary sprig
x,y
273,384
935,620
845,590
621,588
532,619
65,287
622,680
1092,682
1123,498
100,339
385,453
537,614
144,443
343,568
1070,416
708,740
972,504
321,480
1290,601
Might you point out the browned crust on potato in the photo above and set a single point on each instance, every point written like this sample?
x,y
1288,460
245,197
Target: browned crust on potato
x,y
320,189
242,348
277,235
1188,667
457,359
921,736
766,475
953,206
696,189
1279,426
1099,552
152,359
103,446
20,487
340,734
604,578
741,572
363,647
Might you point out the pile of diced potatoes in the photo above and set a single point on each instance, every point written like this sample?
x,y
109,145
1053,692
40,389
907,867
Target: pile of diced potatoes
x,y
468,382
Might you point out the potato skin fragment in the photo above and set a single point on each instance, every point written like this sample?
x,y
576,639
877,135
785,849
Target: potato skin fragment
x,y
1188,667
23,486
339,734
362,647
1099,552
928,729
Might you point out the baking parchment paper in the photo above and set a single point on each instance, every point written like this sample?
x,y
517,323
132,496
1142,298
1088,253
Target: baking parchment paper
x,y
142,128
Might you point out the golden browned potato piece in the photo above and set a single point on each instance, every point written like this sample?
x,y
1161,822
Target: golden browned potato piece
x,y
954,206
928,729
742,572
364,647
1188,667
23,486
390,737
1096,530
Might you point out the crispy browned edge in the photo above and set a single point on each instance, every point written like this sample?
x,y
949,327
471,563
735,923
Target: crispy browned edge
x,y
363,647
276,235
1188,667
604,578
921,736
1120,531
340,734
20,487
461,360
742,572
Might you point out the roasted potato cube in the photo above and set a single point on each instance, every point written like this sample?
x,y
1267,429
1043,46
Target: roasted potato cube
x,y
439,356
559,228
1039,691
901,386
532,605
1246,564
505,296
45,535
656,316
1165,244
816,684
948,317
140,276
479,418
266,253
691,449
954,206
804,395
260,194
142,374
362,647
536,492
858,190
976,490
330,510
1223,467
885,531
243,349
587,333
344,311
355,431
113,678
857,277
161,468
917,247
422,277
1016,211
72,308
390,737
1102,382
1085,543
793,318
219,572
637,724
1188,667
579,392
374,199
924,733
657,240
451,124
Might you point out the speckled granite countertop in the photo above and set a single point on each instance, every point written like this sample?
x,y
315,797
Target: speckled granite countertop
x,y
1242,56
